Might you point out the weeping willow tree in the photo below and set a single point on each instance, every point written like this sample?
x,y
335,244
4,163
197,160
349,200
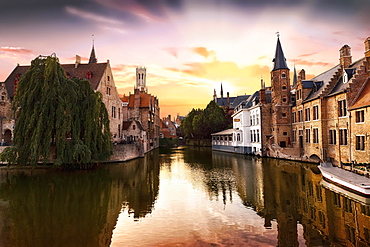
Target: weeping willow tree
x,y
58,119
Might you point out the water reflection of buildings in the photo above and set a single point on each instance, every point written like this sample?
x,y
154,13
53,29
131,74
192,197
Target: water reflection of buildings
x,y
293,193
45,208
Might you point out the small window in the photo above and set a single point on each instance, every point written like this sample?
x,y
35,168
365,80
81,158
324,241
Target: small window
x,y
360,116
283,75
332,137
308,133
283,114
343,137
284,100
315,135
360,142
307,114
285,133
133,127
342,108
284,87
315,112
283,144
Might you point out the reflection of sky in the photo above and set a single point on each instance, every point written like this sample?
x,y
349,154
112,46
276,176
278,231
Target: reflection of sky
x,y
187,46
184,214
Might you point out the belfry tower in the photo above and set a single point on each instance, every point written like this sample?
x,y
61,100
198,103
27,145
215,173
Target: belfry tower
x,y
280,87
141,79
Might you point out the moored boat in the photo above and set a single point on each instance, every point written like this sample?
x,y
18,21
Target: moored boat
x,y
349,180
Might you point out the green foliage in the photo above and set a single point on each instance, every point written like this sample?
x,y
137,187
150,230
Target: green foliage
x,y
168,142
200,124
59,114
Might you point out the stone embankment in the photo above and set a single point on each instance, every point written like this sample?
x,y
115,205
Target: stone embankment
x,y
121,152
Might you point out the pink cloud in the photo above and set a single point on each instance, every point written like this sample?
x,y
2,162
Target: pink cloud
x,y
18,50
173,51
310,63
307,54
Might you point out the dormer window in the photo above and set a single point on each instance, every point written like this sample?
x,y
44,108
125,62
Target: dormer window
x,y
88,74
345,77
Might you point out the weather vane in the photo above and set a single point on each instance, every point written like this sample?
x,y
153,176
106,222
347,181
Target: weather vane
x,y
278,34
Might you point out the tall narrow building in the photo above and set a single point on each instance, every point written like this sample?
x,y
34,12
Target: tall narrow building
x,y
141,79
280,87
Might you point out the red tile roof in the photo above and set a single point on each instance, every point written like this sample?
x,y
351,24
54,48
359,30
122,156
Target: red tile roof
x,y
363,98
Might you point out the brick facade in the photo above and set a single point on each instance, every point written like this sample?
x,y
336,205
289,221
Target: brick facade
x,y
325,118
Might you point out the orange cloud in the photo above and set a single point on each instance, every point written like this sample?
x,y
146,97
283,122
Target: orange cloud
x,y
19,50
310,63
204,52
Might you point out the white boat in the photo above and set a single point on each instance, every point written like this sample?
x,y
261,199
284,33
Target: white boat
x,y
349,180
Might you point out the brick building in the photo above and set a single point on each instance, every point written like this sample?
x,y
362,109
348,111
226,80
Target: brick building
x,y
143,107
168,128
98,74
325,118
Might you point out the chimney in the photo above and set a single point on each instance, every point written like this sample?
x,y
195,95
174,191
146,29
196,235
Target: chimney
x,y
228,99
302,75
78,61
169,117
345,56
367,52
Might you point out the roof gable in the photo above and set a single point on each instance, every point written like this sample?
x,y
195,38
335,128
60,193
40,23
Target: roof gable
x,y
363,97
96,70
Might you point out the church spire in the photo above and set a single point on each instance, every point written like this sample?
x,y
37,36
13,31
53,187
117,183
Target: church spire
x,y
92,55
279,60
295,77
222,92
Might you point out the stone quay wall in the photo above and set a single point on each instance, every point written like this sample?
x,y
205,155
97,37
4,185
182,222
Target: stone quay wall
x,y
121,152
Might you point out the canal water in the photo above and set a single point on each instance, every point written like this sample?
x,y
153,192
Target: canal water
x,y
181,197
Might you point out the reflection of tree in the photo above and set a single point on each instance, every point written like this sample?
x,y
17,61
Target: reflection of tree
x,y
75,209
56,209
141,187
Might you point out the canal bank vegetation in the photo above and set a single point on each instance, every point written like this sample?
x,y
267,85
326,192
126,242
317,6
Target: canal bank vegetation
x,y
59,120
199,124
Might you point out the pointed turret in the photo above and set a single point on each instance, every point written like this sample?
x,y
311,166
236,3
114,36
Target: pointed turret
x,y
279,60
295,77
92,55
222,92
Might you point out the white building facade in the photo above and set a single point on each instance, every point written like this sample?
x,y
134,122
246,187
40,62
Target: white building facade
x,y
245,136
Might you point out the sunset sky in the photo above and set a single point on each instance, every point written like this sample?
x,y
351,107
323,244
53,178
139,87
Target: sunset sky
x,y
188,46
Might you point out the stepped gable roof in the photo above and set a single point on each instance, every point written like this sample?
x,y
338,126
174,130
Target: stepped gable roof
x,y
279,60
351,70
96,70
319,82
363,96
